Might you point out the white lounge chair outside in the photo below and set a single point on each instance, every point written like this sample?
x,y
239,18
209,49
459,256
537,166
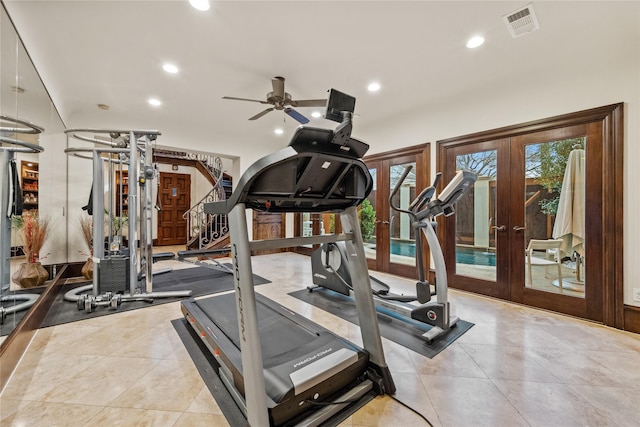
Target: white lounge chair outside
x,y
551,247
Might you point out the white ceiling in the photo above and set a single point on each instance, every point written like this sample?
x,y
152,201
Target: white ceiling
x,y
111,52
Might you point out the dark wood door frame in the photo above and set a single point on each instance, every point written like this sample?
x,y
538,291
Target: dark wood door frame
x,y
610,155
382,161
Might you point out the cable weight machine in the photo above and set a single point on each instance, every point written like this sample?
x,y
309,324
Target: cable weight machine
x,y
121,275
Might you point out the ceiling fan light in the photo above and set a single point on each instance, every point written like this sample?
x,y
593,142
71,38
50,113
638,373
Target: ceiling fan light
x,y
202,5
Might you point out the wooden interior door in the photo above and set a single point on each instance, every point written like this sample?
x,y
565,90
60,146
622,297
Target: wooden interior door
x,y
268,226
175,199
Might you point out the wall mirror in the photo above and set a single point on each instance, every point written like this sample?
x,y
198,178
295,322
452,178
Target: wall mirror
x,y
24,96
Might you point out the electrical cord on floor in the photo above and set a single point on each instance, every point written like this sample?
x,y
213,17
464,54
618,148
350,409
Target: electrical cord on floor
x,y
410,408
341,402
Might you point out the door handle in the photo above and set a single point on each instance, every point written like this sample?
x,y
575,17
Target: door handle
x,y
519,228
500,228
382,222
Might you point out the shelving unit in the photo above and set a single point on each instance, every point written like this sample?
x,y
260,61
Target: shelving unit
x,y
29,176
122,197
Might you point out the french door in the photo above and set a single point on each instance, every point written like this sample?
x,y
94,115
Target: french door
x,y
535,228
388,235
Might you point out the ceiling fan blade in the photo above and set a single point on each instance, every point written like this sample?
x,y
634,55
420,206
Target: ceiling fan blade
x,y
309,103
244,99
260,114
278,87
294,114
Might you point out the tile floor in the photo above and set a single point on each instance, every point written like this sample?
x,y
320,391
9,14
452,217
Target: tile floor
x,y
517,366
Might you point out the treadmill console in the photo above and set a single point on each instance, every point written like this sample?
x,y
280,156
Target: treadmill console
x,y
320,171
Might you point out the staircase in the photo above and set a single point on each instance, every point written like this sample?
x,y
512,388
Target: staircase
x,y
204,231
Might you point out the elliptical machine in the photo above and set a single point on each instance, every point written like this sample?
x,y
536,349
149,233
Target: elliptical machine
x,y
330,270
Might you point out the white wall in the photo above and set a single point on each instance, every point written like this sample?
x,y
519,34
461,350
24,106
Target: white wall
x,y
488,108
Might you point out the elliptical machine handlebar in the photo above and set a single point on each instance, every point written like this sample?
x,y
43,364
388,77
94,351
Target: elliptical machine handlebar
x,y
417,207
407,169
425,195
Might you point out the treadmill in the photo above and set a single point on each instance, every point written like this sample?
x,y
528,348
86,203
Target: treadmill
x,y
280,367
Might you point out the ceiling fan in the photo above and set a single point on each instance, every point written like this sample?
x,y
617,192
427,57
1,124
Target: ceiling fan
x,y
281,100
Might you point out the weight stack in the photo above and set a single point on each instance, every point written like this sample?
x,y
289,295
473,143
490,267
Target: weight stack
x,y
114,274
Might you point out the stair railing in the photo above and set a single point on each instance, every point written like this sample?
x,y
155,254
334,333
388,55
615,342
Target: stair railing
x,y
203,227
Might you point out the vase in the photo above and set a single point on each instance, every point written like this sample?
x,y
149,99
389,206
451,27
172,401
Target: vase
x,y
30,275
87,269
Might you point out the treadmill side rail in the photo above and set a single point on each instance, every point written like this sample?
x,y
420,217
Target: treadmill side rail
x,y
254,383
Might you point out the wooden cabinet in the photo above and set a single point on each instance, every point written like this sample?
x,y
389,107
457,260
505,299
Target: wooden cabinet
x,y
29,176
122,193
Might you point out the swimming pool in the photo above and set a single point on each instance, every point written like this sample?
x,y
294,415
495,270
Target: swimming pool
x,y
463,255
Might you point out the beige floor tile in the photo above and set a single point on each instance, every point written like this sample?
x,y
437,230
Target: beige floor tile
x,y
621,405
508,363
204,403
454,361
188,419
47,414
471,402
411,392
384,411
575,367
39,373
398,358
548,404
110,416
505,371
171,386
485,334
101,383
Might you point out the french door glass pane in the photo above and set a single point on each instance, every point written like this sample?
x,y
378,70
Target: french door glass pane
x,y
475,216
554,197
402,236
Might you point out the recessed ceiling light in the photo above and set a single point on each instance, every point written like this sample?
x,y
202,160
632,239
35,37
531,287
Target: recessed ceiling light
x,y
170,68
200,4
475,41
155,102
316,114
373,87
278,131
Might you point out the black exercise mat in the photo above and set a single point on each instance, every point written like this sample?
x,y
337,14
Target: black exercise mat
x,y
200,280
12,319
208,367
405,333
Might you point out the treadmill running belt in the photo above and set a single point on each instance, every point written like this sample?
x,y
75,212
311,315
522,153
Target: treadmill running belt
x,y
272,324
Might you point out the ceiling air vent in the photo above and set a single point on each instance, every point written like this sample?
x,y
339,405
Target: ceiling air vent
x,y
521,21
